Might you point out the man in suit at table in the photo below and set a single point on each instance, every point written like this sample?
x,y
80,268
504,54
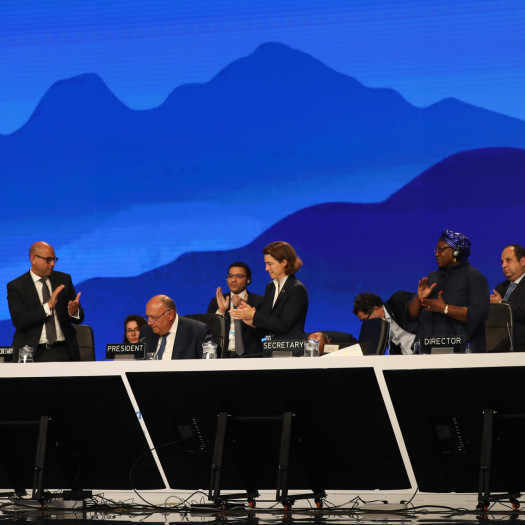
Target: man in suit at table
x,y
512,290
369,306
242,340
43,305
170,335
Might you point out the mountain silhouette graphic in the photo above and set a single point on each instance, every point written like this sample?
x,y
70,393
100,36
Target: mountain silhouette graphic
x,y
346,248
277,117
288,134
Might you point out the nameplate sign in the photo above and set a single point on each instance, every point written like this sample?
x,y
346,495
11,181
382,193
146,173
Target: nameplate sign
x,y
135,350
443,344
6,350
295,346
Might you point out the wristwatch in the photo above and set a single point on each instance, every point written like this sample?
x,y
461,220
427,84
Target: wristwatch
x,y
445,311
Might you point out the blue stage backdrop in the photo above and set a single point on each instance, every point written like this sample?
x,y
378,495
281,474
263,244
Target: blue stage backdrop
x,y
153,143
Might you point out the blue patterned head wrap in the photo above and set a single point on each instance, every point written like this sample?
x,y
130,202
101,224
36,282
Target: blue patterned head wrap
x,y
458,241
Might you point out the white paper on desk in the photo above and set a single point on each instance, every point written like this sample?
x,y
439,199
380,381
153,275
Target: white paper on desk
x,y
349,350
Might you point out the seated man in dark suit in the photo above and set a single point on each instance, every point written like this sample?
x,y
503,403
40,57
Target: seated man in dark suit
x,y
43,303
512,290
170,335
370,306
243,340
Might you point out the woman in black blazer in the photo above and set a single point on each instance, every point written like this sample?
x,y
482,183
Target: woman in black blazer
x,y
283,312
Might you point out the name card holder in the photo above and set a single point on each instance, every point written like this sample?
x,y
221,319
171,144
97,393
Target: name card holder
x,y
446,344
131,351
6,354
290,348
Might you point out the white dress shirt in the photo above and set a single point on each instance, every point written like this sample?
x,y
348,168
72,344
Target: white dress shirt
x,y
170,340
38,286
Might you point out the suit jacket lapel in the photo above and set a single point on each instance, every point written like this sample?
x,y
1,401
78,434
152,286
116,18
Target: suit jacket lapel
x,y
31,289
284,289
517,290
180,340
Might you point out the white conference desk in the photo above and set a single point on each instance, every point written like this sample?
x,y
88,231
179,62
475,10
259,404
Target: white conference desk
x,y
382,366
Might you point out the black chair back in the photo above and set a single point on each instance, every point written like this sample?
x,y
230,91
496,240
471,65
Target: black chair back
x,y
218,328
86,342
373,337
499,328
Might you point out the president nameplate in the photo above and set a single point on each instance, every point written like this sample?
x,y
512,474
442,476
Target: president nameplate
x,y
125,349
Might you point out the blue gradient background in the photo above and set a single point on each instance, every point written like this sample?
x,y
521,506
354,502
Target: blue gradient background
x,y
137,219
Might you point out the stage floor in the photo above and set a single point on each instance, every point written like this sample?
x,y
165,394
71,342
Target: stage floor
x,y
352,512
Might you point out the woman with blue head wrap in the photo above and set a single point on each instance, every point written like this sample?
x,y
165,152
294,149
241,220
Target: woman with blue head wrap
x,y
452,303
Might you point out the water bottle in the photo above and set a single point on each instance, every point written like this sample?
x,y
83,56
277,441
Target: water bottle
x,y
209,350
311,348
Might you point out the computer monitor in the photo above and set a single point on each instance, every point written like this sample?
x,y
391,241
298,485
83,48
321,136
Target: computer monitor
x,y
94,437
441,412
340,424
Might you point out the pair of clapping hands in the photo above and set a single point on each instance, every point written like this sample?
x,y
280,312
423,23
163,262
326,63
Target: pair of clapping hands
x,y
242,311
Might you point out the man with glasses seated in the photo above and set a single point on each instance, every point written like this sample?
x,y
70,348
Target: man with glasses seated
x,y
243,339
169,335
369,306
43,305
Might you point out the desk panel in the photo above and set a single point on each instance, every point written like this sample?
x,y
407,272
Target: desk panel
x,y
343,437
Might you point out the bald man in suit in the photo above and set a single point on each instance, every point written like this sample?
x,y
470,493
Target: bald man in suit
x,y
44,306
171,336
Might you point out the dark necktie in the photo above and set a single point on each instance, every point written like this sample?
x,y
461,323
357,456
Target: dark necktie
x,y
239,345
51,330
162,346
510,289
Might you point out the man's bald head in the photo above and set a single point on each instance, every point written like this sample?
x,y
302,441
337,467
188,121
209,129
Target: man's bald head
x,y
42,257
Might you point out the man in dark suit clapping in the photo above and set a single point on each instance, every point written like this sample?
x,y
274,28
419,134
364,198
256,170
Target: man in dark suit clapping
x,y
43,304
242,340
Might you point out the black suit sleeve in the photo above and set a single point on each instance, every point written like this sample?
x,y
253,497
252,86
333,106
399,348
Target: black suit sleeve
x,y
255,300
517,302
291,309
69,294
203,336
397,307
212,307
25,313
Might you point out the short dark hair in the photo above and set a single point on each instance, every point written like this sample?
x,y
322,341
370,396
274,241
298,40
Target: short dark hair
x,y
365,302
280,251
138,319
519,251
240,264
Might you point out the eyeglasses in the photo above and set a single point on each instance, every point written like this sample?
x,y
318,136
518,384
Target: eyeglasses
x,y
439,251
132,330
238,275
154,318
365,318
48,260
